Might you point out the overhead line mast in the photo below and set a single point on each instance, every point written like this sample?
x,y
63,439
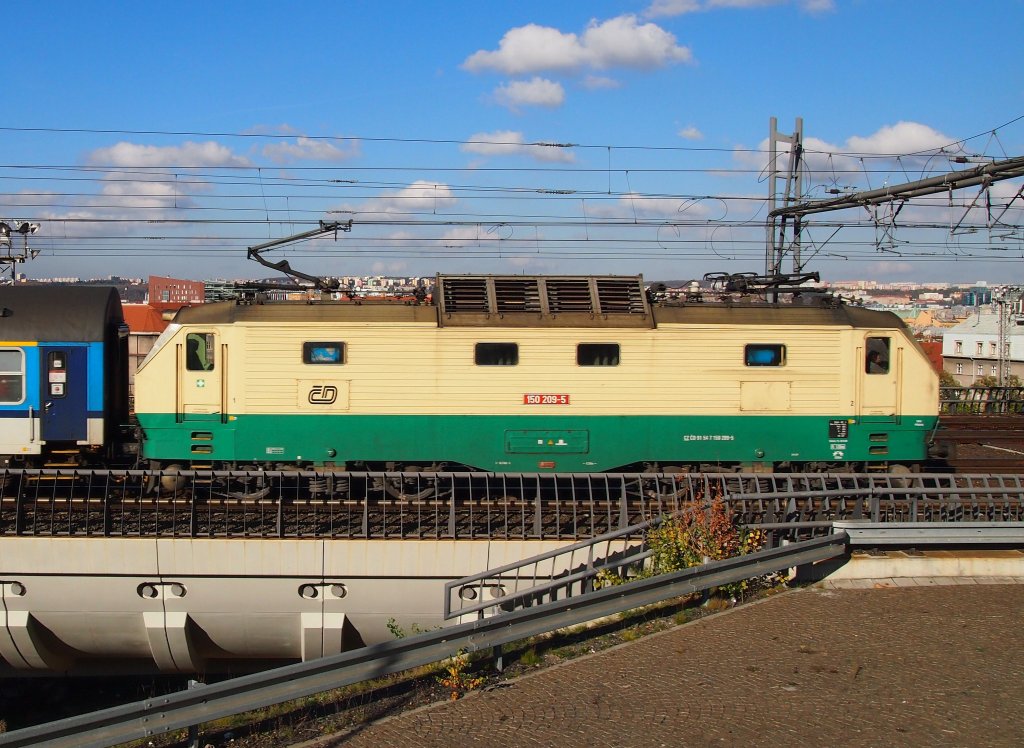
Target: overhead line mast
x,y
785,213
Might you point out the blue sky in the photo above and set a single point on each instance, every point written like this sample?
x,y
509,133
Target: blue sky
x,y
167,138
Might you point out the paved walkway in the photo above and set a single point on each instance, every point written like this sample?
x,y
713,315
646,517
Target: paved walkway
x,y
904,663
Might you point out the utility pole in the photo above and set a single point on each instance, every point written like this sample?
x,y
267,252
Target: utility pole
x,y
784,229
787,208
1007,301
13,257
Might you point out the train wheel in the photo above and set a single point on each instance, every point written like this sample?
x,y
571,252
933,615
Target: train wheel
x,y
170,480
901,475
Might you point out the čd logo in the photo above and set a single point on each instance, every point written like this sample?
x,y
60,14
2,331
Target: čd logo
x,y
323,394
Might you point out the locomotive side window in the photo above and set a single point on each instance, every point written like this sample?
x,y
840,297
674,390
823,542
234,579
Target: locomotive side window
x,y
764,354
323,353
497,354
877,359
199,351
597,354
12,376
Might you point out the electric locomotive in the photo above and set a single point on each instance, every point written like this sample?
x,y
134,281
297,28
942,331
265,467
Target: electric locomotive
x,y
545,373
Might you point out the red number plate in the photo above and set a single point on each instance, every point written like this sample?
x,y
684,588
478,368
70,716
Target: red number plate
x,y
545,399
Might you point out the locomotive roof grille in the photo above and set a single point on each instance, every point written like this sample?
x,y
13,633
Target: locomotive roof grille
x,y
542,295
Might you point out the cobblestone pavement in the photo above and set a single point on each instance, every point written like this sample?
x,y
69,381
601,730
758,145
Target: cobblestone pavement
x,y
889,666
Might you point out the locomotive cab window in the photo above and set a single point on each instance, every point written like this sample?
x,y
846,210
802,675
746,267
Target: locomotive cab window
x,y
764,354
199,351
597,354
12,376
877,359
323,353
497,354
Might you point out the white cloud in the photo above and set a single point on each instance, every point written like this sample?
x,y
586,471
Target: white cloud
x,y
152,196
817,6
890,147
691,133
617,42
512,143
662,8
622,42
463,236
903,137
143,194
394,267
889,269
418,197
599,81
187,154
638,206
310,149
668,8
534,92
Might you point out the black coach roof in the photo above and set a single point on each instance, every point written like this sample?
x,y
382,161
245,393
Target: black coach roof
x,y
58,313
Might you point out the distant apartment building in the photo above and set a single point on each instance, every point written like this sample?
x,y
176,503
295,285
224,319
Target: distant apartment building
x,y
970,350
165,292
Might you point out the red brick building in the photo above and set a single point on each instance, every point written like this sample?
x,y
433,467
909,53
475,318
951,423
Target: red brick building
x,y
175,293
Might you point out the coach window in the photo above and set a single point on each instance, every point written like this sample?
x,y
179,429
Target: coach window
x,y
597,354
877,359
323,353
12,376
199,351
764,354
497,354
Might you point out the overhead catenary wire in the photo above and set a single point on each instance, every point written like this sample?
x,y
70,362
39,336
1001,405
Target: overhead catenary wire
x,y
178,199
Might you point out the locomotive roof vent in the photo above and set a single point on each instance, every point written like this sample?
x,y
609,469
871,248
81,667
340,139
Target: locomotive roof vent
x,y
606,301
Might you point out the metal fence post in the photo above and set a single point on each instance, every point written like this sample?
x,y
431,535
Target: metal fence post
x,y
193,730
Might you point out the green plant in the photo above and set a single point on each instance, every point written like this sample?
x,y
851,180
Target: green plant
x,y
703,532
530,658
400,633
455,678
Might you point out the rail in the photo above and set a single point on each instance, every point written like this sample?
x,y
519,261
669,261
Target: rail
x,y
145,719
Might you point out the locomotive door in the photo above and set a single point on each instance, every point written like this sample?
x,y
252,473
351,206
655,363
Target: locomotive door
x,y
201,365
881,364
63,393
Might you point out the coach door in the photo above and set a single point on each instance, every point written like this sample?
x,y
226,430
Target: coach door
x,y
201,365
63,391
881,368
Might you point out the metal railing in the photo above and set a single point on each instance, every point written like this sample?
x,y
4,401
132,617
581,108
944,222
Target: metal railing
x,y
945,512
981,400
432,506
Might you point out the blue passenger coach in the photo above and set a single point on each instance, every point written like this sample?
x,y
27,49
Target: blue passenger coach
x,y
63,373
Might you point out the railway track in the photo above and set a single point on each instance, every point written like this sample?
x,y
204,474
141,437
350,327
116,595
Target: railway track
x,y
980,443
447,506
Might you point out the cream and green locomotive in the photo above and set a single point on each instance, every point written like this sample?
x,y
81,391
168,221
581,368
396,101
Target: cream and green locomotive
x,y
526,374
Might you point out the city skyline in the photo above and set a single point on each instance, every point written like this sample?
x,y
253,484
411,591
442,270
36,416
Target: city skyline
x,y
611,138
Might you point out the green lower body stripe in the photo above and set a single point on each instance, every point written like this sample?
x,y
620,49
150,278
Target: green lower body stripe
x,y
529,443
